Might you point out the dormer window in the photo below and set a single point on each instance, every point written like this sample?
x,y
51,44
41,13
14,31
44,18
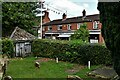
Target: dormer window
x,y
49,27
69,26
59,27
95,25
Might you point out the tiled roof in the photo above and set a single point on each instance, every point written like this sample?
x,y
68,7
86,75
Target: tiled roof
x,y
20,34
78,19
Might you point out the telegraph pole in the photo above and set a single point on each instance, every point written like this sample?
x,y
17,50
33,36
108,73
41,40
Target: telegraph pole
x,y
40,30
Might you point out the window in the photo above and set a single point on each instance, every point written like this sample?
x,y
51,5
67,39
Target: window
x,y
59,27
78,25
95,25
69,26
49,27
93,41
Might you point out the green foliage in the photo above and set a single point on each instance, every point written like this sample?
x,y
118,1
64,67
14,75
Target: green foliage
x,y
17,14
82,33
109,16
77,53
7,47
97,54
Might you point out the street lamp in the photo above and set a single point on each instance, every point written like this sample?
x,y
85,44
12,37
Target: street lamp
x,y
40,31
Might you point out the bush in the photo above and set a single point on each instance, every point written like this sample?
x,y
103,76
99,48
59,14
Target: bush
x,y
7,47
81,34
97,54
77,53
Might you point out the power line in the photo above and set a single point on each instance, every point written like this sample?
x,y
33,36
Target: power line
x,y
47,6
60,11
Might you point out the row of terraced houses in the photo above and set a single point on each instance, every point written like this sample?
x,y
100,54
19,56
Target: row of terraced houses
x,y
63,28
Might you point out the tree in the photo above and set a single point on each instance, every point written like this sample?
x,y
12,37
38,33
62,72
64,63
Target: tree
x,y
7,47
0,19
82,33
109,16
17,14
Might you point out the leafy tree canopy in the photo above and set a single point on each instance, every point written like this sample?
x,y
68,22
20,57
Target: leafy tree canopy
x,y
17,14
82,33
110,18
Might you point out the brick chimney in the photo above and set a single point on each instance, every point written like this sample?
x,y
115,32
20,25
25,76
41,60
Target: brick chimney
x,y
64,16
46,17
84,13
46,14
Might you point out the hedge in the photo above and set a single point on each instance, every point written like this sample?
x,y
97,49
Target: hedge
x,y
77,53
7,47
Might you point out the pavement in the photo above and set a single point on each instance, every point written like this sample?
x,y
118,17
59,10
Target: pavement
x,y
104,72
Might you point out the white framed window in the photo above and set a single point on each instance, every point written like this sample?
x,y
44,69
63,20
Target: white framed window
x,y
95,25
93,41
59,27
78,25
49,27
69,26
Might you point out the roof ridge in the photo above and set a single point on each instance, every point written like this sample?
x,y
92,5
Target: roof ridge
x,y
75,17
13,32
24,33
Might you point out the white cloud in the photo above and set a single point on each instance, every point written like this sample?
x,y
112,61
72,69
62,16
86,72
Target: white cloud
x,y
66,5
86,5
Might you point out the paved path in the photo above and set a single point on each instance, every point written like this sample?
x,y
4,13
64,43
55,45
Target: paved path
x,y
104,72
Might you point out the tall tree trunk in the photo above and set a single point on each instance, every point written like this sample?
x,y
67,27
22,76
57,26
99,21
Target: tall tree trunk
x,y
110,19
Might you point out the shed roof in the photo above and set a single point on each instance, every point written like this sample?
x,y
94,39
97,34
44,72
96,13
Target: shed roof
x,y
20,34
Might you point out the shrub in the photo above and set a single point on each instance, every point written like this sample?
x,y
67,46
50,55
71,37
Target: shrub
x,y
77,53
81,34
97,54
7,47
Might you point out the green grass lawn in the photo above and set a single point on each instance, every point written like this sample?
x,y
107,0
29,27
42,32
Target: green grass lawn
x,y
25,68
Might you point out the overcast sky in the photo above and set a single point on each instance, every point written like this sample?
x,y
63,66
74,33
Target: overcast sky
x,y
73,8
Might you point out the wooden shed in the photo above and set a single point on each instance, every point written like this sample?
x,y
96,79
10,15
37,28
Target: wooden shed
x,y
22,41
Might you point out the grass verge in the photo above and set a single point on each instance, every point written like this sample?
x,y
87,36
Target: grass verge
x,y
24,68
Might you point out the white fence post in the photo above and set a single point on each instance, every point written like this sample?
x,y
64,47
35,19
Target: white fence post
x,y
57,60
88,64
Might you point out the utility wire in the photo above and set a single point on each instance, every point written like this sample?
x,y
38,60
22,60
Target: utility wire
x,y
60,11
54,9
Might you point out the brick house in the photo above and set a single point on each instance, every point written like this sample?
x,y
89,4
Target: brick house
x,y
63,28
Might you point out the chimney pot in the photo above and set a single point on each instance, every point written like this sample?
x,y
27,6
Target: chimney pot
x,y
64,16
46,14
84,13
